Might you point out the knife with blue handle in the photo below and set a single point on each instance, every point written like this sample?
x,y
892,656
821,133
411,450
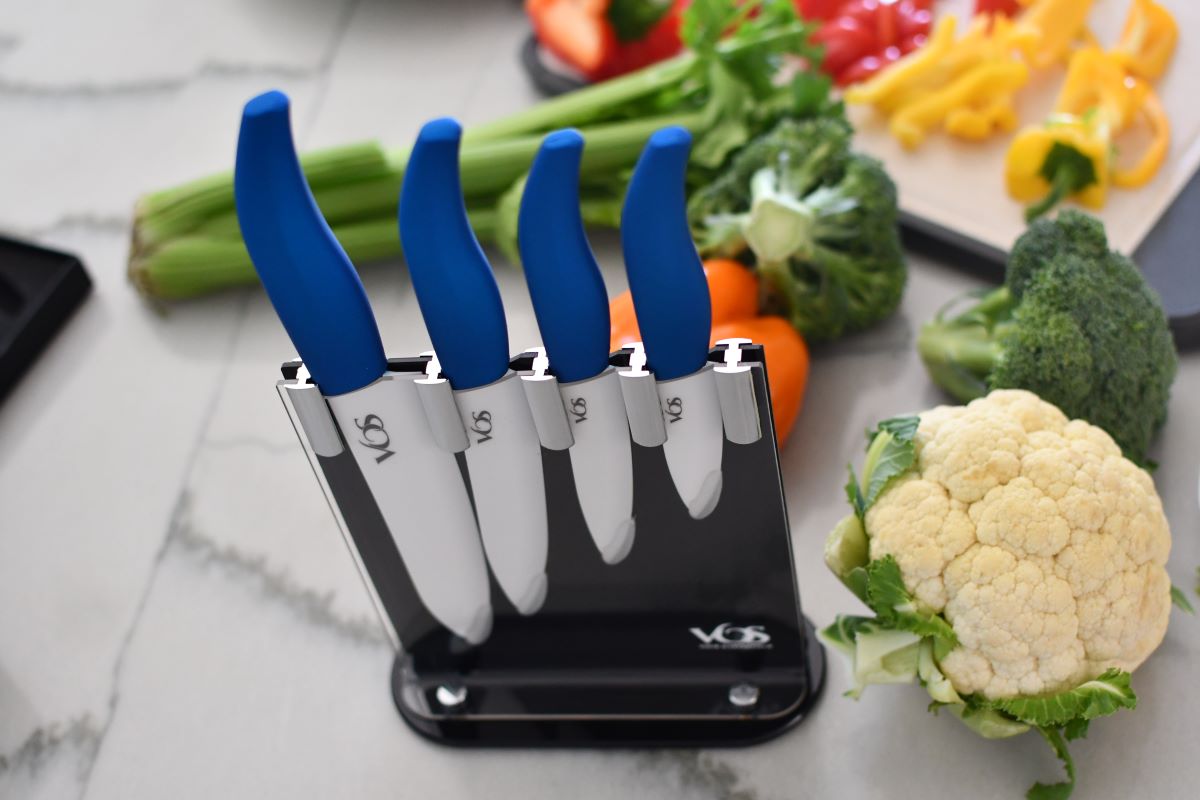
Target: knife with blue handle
x,y
323,307
571,305
461,305
674,314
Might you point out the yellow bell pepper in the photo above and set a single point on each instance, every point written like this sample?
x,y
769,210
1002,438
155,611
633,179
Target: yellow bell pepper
x,y
1068,156
1148,40
1071,155
1057,24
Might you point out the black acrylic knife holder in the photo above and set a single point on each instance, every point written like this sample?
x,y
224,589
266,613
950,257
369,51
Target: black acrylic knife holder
x,y
695,638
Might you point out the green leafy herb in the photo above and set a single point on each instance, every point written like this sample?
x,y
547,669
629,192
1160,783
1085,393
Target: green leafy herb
x,y
633,19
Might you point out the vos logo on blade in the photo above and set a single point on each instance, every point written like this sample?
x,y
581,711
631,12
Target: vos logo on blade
x,y
673,407
375,437
579,409
481,426
728,636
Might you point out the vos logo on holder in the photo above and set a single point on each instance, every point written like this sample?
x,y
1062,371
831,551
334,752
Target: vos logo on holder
x,y
728,636
375,437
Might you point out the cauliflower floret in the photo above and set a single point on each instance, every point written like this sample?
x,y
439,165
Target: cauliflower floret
x,y
1042,546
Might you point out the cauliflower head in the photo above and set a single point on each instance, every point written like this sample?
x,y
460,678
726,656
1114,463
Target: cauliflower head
x,y
1041,545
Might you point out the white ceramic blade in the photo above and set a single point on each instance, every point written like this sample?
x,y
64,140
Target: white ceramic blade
x,y
421,495
602,461
692,412
504,462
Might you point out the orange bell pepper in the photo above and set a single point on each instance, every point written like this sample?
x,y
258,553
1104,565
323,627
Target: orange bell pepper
x,y
735,295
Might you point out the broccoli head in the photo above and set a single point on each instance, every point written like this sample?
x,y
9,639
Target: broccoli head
x,y
1074,323
817,221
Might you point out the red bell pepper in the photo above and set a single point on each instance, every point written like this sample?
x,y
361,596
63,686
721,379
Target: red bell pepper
x,y
861,37
1008,8
587,34
818,9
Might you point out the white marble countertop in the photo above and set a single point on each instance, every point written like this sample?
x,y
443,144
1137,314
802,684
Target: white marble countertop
x,y
179,616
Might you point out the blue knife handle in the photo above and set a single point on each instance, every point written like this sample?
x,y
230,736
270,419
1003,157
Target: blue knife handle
x,y
455,287
666,278
569,298
307,275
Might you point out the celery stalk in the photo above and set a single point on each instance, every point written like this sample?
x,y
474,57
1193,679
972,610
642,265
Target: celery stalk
x,y
588,104
173,212
193,265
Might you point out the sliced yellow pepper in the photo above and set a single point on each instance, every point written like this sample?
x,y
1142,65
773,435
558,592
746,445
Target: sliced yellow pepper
x,y
1160,129
1000,114
1097,82
1148,41
968,84
1057,24
986,82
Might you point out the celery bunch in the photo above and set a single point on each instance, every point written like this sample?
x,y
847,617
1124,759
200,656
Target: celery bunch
x,y
726,89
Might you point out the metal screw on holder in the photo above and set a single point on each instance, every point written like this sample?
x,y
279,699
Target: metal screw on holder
x,y
451,696
743,695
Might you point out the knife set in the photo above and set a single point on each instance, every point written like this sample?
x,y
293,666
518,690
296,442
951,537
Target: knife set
x,y
571,546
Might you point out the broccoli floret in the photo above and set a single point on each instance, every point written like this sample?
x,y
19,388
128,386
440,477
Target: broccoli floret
x,y
1073,232
818,222
1075,323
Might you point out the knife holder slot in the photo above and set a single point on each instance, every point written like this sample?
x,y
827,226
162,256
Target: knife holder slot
x,y
696,638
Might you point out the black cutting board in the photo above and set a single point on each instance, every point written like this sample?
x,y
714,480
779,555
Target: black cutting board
x,y
39,289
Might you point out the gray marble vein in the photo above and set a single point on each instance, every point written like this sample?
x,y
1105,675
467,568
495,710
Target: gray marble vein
x,y
275,584
706,774
52,762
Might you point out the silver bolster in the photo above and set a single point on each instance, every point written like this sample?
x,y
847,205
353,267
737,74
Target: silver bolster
x,y
735,390
441,414
640,392
549,414
546,404
440,407
314,417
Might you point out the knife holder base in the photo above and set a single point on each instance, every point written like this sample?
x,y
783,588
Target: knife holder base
x,y
715,720
695,638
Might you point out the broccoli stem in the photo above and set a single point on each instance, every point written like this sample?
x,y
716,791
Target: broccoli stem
x,y
1068,171
960,353
1060,188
